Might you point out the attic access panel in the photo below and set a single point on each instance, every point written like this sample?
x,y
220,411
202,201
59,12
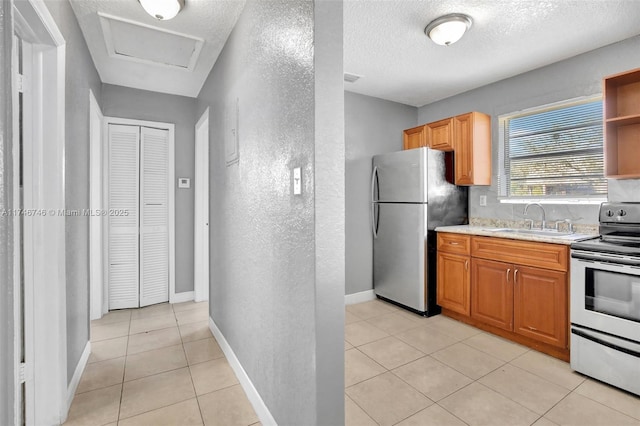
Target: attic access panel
x,y
134,41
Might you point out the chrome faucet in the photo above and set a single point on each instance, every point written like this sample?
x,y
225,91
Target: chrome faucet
x,y
544,219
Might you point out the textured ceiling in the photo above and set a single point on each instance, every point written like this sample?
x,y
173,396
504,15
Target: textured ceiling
x,y
384,42
166,61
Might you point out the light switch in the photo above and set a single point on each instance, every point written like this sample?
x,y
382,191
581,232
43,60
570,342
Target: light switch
x,y
184,183
297,181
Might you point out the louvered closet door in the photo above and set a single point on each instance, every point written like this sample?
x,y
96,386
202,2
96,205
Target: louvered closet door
x,y
124,148
154,229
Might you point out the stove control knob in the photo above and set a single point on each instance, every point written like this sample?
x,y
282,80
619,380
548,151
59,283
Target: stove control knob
x,y
622,213
609,213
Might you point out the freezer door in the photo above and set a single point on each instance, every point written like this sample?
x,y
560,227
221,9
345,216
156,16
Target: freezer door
x,y
399,253
400,176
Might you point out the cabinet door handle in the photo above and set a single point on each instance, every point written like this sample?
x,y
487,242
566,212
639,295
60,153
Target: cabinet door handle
x,y
454,243
466,265
515,275
508,272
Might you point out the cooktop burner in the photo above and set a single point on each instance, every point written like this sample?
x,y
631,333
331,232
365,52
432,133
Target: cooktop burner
x,y
601,246
619,230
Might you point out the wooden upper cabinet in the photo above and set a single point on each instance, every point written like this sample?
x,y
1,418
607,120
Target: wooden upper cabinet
x,y
472,135
621,100
440,135
468,135
415,137
540,305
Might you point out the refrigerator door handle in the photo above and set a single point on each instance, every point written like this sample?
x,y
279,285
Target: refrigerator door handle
x,y
374,176
374,221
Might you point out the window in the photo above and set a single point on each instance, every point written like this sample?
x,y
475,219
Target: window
x,y
553,151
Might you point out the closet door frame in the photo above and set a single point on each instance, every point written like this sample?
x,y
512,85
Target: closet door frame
x,y
170,127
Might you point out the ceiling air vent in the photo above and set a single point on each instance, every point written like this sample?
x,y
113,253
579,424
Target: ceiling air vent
x,y
351,78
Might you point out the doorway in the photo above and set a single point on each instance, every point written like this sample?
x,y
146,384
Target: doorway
x,y
98,305
139,200
201,231
38,67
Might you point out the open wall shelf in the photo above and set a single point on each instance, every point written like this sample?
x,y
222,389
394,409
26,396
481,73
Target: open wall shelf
x,y
622,125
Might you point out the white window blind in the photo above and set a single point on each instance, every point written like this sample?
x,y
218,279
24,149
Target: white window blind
x,y
554,152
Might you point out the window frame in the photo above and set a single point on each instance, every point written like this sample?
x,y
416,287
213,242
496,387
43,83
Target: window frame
x,y
504,178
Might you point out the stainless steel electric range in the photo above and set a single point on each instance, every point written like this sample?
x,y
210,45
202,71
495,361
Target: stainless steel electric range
x,y
605,299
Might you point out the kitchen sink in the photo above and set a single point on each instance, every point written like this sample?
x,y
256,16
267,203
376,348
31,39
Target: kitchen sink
x,y
542,233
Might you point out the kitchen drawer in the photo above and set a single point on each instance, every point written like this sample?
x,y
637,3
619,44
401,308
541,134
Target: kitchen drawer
x,y
454,243
526,253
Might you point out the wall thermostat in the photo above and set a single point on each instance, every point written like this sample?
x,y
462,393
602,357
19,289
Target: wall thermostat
x,y
184,183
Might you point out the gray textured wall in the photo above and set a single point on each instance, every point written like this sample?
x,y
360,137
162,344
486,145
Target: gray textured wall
x,y
263,239
124,102
81,76
372,126
6,229
578,76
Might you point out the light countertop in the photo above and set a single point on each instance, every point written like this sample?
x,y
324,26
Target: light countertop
x,y
507,233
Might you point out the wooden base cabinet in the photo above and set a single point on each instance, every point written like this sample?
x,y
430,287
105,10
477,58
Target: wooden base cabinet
x,y
528,301
540,305
492,291
454,272
453,282
525,300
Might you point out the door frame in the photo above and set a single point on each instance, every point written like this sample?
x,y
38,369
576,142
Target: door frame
x,y
44,236
97,306
201,220
171,202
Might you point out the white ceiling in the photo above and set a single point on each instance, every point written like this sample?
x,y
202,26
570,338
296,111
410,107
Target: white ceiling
x,y
384,42
132,49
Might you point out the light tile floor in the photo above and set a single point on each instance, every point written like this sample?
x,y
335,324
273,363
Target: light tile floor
x,y
158,365
404,369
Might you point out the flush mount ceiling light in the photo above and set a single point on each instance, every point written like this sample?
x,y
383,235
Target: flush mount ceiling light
x,y
162,9
448,29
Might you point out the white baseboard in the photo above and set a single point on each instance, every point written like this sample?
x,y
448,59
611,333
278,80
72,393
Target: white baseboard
x,y
75,380
363,296
254,397
185,296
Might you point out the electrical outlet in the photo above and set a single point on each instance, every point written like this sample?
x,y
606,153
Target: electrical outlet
x,y
483,200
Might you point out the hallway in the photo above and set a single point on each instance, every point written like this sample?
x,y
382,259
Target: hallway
x,y
158,365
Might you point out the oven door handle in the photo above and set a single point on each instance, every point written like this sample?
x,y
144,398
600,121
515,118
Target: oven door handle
x,y
603,259
588,336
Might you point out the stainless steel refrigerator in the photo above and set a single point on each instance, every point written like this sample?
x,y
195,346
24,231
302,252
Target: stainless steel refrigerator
x,y
412,192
